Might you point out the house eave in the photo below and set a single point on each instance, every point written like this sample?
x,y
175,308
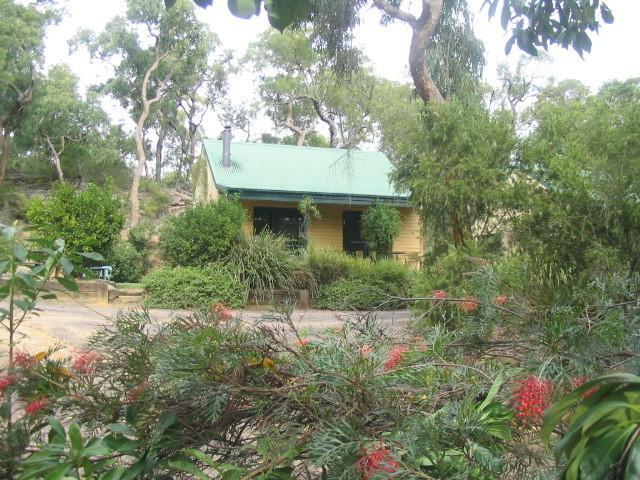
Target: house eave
x,y
320,198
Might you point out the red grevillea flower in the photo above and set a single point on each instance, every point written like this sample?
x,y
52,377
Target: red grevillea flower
x,y
439,294
303,341
22,360
222,312
578,381
469,304
85,363
376,462
501,299
395,357
33,408
365,350
7,381
531,399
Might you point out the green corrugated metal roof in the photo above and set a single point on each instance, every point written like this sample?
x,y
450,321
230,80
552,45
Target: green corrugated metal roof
x,y
327,172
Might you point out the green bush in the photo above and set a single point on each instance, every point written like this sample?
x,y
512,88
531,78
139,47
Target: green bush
x,y
88,220
380,227
392,277
203,234
264,262
451,270
129,264
346,294
139,236
156,201
336,272
328,265
187,287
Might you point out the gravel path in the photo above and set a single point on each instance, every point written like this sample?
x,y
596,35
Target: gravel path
x,y
70,324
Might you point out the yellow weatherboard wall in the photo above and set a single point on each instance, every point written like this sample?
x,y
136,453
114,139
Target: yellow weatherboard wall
x,y
327,231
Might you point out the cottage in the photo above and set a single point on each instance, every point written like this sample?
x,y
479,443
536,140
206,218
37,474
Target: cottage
x,y
270,181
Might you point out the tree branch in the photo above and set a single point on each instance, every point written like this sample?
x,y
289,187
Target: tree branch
x,y
395,12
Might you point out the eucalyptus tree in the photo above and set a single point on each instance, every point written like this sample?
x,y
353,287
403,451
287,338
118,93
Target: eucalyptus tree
x,y
198,89
584,150
150,48
22,29
59,116
300,89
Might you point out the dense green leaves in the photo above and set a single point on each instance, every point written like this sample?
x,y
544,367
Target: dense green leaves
x,y
603,428
456,166
583,204
188,287
380,227
202,234
541,23
90,219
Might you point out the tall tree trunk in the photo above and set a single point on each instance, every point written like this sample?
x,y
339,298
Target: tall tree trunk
x,y
140,151
4,156
56,157
423,28
159,146
326,118
193,140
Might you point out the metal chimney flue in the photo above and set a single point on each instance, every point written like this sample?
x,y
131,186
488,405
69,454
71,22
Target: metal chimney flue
x,y
226,147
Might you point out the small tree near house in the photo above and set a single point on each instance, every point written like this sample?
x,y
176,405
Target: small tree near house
x,y
380,227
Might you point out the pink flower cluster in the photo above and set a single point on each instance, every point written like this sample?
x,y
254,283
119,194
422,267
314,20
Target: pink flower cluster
x,y
395,357
439,294
532,397
470,304
376,462
23,360
222,312
7,381
579,381
34,407
85,363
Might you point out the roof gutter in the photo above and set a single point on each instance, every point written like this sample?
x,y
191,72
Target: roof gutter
x,y
320,198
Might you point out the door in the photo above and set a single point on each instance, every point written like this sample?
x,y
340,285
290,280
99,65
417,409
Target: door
x,y
352,241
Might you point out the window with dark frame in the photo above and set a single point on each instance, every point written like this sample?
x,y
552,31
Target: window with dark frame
x,y
283,221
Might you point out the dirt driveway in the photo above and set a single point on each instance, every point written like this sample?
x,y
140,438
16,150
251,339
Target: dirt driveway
x,y
70,324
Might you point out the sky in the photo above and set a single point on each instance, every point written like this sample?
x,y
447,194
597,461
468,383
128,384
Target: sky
x,y
387,47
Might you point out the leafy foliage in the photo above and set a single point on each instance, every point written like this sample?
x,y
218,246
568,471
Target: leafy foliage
x,y
91,219
601,439
346,294
380,227
129,264
583,205
540,24
26,273
187,287
456,167
352,283
202,234
264,262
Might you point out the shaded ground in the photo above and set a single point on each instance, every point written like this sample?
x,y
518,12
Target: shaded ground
x,y
70,324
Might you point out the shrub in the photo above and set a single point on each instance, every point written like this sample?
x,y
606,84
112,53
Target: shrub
x,y
186,287
263,262
329,265
390,276
203,234
129,264
451,270
88,220
139,236
157,200
348,294
380,227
